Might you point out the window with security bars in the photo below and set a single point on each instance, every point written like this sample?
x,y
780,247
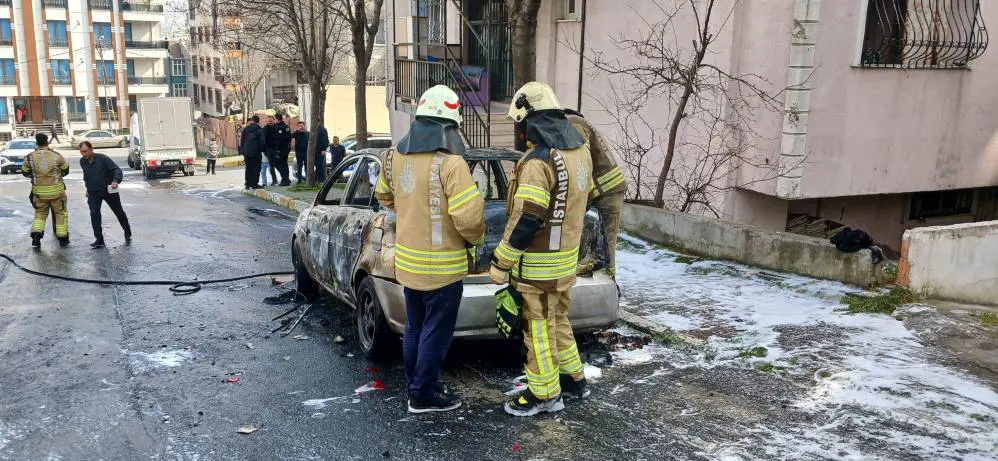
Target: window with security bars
x,y
938,204
923,34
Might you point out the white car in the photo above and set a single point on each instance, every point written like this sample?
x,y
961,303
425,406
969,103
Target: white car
x,y
374,141
12,156
99,138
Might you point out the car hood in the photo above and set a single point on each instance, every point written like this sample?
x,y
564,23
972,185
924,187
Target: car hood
x,y
16,153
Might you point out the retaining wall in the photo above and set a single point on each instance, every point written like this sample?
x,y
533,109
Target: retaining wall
x,y
958,262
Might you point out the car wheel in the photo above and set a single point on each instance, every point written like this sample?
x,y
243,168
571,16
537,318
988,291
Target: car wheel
x,y
373,333
304,283
122,143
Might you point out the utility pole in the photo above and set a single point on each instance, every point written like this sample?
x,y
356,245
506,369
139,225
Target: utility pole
x,y
101,45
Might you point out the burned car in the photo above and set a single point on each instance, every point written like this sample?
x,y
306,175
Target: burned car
x,y
345,245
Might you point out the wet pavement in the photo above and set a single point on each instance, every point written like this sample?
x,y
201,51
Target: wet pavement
x,y
122,372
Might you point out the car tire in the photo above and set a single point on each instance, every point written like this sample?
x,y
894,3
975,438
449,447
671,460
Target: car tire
x,y
122,143
304,282
373,335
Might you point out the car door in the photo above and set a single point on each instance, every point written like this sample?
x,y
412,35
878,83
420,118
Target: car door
x,y
98,138
318,254
351,222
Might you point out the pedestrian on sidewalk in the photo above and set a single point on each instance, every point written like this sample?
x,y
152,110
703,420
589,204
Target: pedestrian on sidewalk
x,y
300,137
283,147
212,156
251,145
47,168
432,256
102,177
269,153
321,144
336,152
55,134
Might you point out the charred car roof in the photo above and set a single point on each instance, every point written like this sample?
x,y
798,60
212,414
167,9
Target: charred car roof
x,y
473,154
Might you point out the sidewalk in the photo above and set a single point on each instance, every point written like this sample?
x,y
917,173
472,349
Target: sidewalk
x,y
223,162
280,195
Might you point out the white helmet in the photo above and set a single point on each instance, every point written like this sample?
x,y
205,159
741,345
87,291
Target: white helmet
x,y
440,102
532,97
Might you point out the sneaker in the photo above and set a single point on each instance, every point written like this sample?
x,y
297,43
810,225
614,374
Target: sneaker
x,y
525,404
438,402
97,244
572,389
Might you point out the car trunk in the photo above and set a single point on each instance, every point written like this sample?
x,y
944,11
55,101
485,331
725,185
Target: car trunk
x,y
592,248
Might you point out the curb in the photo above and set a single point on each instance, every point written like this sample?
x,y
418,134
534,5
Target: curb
x,y
279,199
657,330
222,163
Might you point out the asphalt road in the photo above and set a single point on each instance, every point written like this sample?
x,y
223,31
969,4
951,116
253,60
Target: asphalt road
x,y
102,372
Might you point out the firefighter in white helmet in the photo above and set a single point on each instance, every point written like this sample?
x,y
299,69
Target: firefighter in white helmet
x,y
539,250
440,222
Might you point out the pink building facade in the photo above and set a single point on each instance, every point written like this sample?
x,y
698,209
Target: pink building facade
x,y
889,117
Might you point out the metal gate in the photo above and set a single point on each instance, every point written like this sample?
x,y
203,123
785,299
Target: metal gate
x,y
489,19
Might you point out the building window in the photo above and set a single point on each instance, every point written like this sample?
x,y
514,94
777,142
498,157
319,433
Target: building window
x,y
572,9
4,114
218,66
178,90
8,72
937,204
201,63
283,93
921,35
108,107
57,33
76,109
207,64
197,96
105,72
133,104
6,37
102,30
194,66
178,67
218,101
61,72
130,68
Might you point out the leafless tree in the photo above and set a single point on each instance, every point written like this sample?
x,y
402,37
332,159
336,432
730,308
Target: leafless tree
x,y
523,29
712,111
363,17
305,35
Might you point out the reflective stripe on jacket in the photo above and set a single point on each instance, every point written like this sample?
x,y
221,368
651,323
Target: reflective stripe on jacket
x,y
440,213
46,168
608,178
546,206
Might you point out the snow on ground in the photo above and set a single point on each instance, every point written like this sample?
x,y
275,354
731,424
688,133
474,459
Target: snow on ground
x,y
867,376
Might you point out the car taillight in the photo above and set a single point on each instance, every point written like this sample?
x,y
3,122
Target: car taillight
x,y
188,161
153,163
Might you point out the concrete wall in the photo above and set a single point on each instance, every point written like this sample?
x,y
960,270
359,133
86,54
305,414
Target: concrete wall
x,y
958,262
340,118
751,245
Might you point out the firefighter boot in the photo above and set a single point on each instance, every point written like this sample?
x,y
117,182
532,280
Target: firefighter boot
x,y
525,404
36,239
63,241
572,389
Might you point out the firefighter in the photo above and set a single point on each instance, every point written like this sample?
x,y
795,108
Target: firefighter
x,y
539,250
46,168
608,182
440,215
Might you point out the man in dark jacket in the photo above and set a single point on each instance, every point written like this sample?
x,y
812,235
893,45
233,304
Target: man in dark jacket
x,y
283,146
269,149
101,177
301,150
252,146
321,143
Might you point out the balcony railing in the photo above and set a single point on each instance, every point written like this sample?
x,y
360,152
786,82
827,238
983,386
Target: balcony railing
x,y
6,42
8,80
923,35
55,3
142,7
77,116
147,44
62,81
148,80
4,2
99,4
60,42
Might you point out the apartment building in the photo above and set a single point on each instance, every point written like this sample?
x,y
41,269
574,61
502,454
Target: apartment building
x,y
889,120
179,69
77,64
223,70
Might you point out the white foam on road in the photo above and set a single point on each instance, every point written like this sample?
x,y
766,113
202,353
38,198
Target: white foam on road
x,y
145,361
873,370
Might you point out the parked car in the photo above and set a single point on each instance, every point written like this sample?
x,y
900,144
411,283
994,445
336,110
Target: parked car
x,y
344,244
12,155
99,138
374,141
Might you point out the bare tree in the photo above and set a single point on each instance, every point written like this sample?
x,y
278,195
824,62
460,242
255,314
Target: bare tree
x,y
363,17
306,35
523,29
711,108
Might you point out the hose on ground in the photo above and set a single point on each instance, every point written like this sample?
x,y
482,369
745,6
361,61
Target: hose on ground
x,y
177,287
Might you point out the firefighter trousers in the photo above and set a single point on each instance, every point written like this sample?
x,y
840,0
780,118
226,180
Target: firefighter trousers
x,y
609,207
550,343
60,214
